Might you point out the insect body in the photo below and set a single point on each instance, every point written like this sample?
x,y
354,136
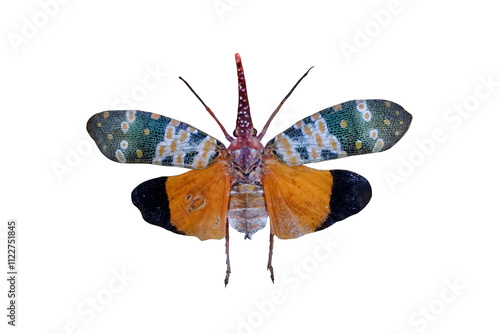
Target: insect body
x,y
243,184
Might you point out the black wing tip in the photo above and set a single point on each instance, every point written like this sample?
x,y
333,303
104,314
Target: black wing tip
x,y
91,123
151,198
350,194
406,115
93,127
93,130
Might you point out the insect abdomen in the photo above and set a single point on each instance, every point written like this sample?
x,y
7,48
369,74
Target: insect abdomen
x,y
247,208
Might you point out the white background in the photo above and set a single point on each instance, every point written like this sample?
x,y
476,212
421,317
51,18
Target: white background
x,y
434,226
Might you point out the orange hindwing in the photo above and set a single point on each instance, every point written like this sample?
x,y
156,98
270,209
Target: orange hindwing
x,y
194,203
301,200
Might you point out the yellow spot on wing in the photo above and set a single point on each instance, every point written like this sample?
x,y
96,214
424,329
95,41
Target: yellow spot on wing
x,y
169,133
106,114
337,107
120,156
124,126
184,136
99,125
378,145
319,140
387,122
110,136
174,122
358,144
343,123
307,131
173,146
155,116
146,132
207,146
286,145
321,126
333,143
387,104
161,150
130,116
139,153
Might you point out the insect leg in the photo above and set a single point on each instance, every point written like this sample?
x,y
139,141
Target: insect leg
x,y
228,265
269,262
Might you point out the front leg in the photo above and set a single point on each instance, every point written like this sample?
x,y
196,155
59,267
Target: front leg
x,y
228,265
269,262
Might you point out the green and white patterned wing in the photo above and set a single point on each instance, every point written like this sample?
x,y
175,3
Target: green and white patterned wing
x,y
133,136
350,128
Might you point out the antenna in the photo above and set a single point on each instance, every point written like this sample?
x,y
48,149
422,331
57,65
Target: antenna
x,y
228,137
263,132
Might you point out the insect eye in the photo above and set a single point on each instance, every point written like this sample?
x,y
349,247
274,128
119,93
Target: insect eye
x,y
235,133
254,132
